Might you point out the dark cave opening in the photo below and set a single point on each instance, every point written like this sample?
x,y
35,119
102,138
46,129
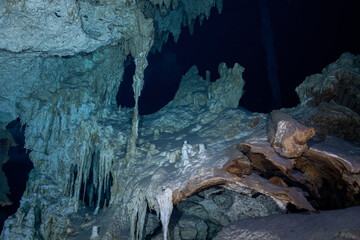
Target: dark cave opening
x,y
16,169
125,95
307,36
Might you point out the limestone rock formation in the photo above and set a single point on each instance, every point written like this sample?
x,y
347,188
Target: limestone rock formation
x,y
223,93
67,27
340,82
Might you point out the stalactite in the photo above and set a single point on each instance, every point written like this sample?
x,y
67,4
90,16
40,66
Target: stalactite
x,y
138,83
164,200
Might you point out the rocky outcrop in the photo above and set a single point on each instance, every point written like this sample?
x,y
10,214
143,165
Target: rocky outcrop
x,y
332,119
225,92
339,82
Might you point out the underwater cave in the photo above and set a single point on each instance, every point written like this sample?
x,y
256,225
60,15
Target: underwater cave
x,y
179,119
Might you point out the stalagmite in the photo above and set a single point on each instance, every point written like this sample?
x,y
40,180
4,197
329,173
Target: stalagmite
x,y
184,154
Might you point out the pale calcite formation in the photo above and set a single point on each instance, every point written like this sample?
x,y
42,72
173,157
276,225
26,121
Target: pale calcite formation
x,y
165,202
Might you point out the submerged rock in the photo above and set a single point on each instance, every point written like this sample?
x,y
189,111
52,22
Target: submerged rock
x,y
339,82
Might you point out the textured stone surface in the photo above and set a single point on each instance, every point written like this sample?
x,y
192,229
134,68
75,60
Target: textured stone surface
x,y
68,27
331,119
65,27
340,82
205,213
217,207
338,224
286,135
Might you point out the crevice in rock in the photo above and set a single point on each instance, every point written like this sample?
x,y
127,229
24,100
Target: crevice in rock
x,y
37,215
16,169
73,177
89,187
152,225
92,193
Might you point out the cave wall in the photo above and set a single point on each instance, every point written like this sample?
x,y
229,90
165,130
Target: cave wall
x,y
61,66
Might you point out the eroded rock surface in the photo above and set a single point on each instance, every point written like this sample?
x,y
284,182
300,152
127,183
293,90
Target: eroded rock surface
x,y
340,82
337,224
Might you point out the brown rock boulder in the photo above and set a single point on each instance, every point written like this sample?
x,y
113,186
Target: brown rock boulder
x,y
286,135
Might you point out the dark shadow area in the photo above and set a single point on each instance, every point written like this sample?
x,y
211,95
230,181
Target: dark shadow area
x,y
307,36
125,95
162,79
16,169
89,190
